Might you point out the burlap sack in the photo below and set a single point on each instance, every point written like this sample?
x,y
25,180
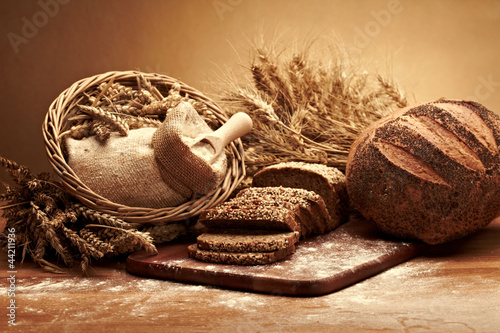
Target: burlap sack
x,y
150,167
123,169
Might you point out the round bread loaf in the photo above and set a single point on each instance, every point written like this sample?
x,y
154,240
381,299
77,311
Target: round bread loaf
x,y
430,172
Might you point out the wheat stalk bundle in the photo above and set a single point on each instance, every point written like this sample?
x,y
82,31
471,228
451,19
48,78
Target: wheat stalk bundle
x,y
52,226
307,108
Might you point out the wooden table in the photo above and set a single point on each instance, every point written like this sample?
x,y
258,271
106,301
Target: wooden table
x,y
454,288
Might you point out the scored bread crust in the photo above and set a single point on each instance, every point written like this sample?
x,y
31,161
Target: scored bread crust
x,y
328,182
243,240
430,172
242,258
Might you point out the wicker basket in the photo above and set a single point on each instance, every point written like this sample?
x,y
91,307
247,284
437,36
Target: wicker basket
x,y
56,123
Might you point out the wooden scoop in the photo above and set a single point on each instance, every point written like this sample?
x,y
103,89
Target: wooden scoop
x,y
238,125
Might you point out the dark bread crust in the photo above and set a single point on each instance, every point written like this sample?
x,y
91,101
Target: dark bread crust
x,y
429,172
242,258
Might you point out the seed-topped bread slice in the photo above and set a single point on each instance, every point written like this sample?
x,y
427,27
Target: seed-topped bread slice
x,y
326,181
302,215
310,204
242,240
250,217
241,258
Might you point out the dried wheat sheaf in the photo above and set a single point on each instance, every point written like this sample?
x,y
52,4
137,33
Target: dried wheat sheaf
x,y
52,226
308,109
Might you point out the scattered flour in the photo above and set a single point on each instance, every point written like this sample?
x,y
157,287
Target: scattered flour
x,y
249,302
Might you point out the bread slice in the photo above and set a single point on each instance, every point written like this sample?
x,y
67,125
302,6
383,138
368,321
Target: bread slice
x,y
246,240
326,181
241,258
252,216
313,209
302,216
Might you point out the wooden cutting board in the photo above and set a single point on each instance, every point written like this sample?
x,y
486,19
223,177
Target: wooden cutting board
x,y
320,265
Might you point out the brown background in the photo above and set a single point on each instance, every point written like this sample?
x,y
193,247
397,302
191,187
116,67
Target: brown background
x,y
432,48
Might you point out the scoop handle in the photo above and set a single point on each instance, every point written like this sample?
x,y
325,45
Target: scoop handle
x,y
238,125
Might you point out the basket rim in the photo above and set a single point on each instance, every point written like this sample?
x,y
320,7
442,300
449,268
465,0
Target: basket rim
x,y
53,126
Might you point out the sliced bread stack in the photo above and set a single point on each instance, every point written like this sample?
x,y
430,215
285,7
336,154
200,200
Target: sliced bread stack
x,y
263,223
328,182
310,209
259,225
244,247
